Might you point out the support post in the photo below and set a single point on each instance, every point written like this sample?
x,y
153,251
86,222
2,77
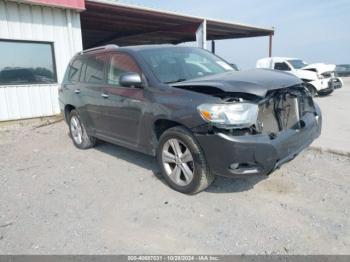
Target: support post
x,y
270,45
213,46
201,35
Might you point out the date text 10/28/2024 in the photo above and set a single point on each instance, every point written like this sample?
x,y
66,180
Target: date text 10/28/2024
x,y
173,258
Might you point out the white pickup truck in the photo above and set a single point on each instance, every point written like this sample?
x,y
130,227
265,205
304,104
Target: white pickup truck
x,y
319,78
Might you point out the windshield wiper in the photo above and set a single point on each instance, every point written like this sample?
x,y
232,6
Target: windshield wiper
x,y
176,81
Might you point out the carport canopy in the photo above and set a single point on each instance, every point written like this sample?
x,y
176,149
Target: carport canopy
x,y
105,22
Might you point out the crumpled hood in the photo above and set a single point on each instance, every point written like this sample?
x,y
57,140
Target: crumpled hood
x,y
321,67
255,81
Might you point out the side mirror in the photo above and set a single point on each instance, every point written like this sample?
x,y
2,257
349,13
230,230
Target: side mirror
x,y
234,66
130,80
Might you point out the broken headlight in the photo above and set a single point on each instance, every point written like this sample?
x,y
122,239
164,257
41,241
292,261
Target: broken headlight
x,y
237,115
320,76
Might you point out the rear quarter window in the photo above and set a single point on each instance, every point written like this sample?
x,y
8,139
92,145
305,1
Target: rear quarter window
x,y
75,70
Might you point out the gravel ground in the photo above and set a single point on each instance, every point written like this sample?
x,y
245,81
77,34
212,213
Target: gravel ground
x,y
56,199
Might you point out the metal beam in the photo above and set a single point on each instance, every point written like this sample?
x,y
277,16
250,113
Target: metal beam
x,y
213,46
201,35
270,45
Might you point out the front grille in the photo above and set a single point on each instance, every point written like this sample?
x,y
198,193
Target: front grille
x,y
287,112
283,109
334,83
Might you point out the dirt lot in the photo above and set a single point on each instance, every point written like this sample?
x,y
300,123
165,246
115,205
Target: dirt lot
x,y
56,199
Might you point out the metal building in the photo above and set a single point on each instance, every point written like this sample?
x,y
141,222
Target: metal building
x,y
38,38
41,29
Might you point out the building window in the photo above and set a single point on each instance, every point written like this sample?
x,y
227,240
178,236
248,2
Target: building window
x,y
24,62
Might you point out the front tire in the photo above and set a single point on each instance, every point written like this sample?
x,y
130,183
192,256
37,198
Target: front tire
x,y
78,132
323,93
182,161
312,90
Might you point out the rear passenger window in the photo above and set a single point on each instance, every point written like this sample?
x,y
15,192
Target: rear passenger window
x,y
74,70
95,68
282,66
119,64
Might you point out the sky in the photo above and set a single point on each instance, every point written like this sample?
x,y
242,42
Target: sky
x,y
313,30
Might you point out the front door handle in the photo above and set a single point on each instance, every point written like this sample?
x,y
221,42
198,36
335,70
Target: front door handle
x,y
77,91
104,95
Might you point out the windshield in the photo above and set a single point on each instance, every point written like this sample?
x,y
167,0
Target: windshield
x,y
176,64
297,63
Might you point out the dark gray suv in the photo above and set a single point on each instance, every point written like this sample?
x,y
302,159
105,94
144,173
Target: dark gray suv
x,y
190,109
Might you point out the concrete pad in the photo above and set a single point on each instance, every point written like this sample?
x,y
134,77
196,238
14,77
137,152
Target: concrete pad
x,y
335,108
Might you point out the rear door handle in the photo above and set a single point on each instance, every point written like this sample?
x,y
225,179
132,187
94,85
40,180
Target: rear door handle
x,y
77,91
104,95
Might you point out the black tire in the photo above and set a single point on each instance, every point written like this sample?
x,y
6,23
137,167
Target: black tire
x,y
202,177
86,140
312,90
323,93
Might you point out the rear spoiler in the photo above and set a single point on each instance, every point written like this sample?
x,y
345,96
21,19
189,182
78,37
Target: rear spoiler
x,y
106,47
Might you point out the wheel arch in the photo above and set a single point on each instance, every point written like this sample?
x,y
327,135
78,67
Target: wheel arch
x,y
163,124
67,109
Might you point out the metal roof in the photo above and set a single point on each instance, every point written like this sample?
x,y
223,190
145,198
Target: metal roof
x,y
106,22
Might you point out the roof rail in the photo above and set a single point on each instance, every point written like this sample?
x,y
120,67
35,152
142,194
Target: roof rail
x,y
98,48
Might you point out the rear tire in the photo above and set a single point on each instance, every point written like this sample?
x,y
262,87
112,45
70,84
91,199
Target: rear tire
x,y
78,132
182,161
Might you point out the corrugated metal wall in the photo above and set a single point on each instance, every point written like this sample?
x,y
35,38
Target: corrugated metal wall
x,y
32,22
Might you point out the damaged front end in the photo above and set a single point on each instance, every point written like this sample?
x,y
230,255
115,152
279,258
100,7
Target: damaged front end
x,y
285,122
284,109
323,78
281,109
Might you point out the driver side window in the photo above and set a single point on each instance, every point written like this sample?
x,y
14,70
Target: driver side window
x,y
120,63
282,66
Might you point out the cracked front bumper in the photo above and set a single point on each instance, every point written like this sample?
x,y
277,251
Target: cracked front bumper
x,y
335,83
257,154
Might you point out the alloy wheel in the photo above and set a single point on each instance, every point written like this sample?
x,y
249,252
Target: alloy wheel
x,y
76,130
178,162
